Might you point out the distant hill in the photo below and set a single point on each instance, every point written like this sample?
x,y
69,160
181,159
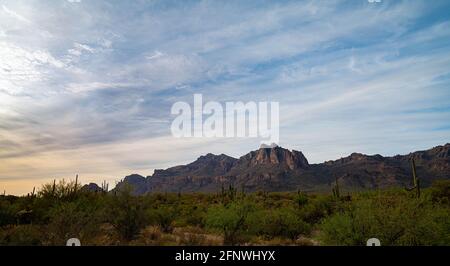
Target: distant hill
x,y
279,169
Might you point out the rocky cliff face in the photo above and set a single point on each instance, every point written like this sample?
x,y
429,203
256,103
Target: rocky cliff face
x,y
279,169
276,157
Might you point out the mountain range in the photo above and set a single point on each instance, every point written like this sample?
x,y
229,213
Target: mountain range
x,y
279,169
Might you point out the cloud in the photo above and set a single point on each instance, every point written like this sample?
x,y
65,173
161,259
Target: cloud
x,y
155,55
93,94
15,15
78,49
21,67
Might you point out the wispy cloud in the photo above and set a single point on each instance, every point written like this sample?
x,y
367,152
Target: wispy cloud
x,y
86,86
14,14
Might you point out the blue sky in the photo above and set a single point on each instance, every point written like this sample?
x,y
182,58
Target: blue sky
x,y
86,86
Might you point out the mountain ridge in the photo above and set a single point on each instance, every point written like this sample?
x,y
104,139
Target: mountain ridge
x,y
280,169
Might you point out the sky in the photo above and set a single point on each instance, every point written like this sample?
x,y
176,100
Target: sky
x,y
86,87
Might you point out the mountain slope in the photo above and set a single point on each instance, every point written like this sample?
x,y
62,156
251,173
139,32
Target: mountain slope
x,y
279,169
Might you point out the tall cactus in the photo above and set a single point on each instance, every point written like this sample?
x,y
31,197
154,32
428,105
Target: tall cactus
x,y
76,184
104,188
336,192
53,187
416,180
231,192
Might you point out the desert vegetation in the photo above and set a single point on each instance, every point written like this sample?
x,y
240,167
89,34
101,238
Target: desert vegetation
x,y
59,211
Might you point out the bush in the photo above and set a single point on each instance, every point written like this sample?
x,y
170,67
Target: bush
x,y
73,219
21,235
61,190
7,213
301,199
316,209
282,222
192,215
231,220
163,216
440,191
126,213
393,220
149,236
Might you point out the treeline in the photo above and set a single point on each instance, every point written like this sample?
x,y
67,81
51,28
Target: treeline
x,y
61,211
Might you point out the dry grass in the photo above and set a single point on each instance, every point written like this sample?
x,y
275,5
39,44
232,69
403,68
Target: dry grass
x,y
181,236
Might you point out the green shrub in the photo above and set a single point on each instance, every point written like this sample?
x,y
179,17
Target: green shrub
x,y
231,220
7,213
301,199
163,216
61,190
281,222
317,209
126,213
78,219
440,191
393,220
191,215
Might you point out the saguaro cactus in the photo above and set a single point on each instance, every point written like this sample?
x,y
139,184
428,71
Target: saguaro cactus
x,y
105,187
231,192
335,189
53,187
76,184
416,180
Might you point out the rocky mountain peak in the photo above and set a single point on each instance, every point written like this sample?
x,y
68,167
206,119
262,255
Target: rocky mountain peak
x,y
441,151
277,156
